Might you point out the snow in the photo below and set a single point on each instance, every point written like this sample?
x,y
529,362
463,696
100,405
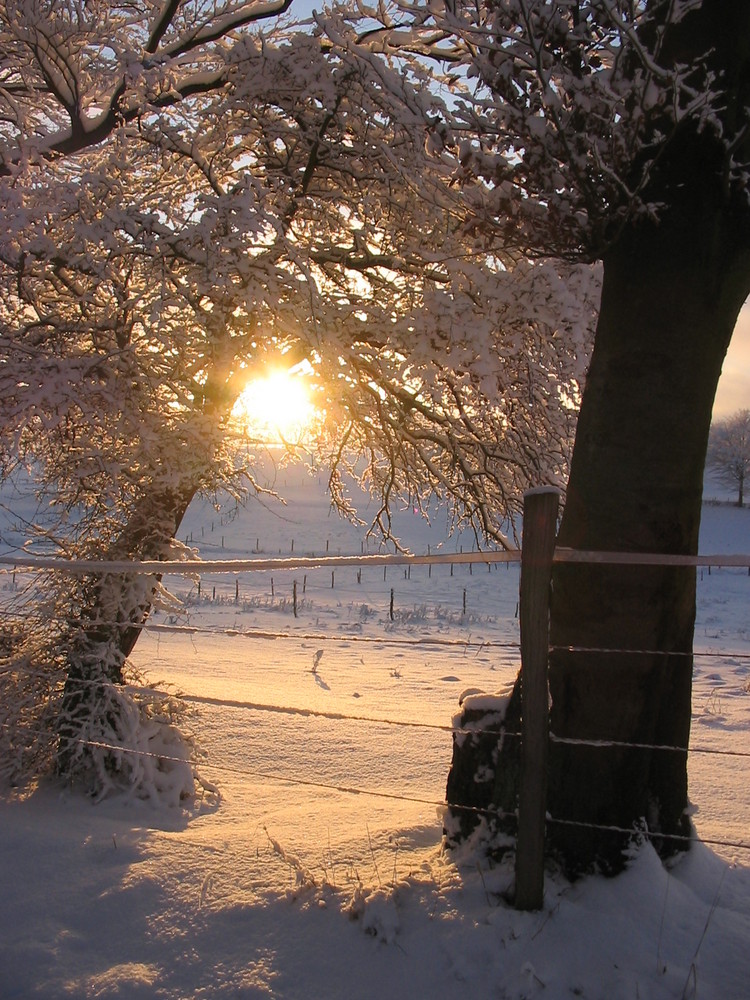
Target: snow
x,y
293,884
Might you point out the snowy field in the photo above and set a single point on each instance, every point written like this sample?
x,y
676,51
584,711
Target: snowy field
x,y
319,873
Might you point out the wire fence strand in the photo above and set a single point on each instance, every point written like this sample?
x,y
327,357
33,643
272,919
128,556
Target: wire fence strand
x,y
496,729
438,804
40,564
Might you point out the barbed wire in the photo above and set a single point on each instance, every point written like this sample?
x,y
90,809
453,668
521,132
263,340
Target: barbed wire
x,y
603,650
349,789
649,834
496,729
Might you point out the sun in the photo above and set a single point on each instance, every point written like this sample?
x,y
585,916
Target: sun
x,y
276,408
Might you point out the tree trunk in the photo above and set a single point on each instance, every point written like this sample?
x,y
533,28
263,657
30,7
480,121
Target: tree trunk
x,y
667,313
114,607
621,637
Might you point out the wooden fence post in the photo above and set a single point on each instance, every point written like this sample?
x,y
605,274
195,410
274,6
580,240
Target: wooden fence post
x,y
539,530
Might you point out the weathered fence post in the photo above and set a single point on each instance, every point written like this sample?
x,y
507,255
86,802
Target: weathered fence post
x,y
539,529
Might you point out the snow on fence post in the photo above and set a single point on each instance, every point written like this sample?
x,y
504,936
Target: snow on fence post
x,y
539,530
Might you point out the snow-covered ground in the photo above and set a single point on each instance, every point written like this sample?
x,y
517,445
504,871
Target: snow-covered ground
x,y
319,873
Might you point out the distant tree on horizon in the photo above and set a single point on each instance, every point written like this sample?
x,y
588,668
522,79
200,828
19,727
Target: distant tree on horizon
x,y
728,454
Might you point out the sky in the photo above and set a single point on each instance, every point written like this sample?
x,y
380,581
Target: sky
x,y
733,392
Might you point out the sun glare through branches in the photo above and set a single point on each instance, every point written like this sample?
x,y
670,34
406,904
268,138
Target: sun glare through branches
x,y
277,408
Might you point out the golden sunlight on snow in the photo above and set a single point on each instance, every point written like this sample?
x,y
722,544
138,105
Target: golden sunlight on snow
x,y
276,408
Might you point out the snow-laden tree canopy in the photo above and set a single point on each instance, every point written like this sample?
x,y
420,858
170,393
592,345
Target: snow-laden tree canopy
x,y
574,112
191,196
194,195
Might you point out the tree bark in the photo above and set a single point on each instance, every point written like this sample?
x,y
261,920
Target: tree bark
x,y
621,637
114,608
667,314
672,291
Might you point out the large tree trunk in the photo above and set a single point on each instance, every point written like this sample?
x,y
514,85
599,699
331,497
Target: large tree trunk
x,y
667,314
621,637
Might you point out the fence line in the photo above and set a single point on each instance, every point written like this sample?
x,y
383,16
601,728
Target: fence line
x,y
189,567
387,640
235,566
234,632
375,720
417,800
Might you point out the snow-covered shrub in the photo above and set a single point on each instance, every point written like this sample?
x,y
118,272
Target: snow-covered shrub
x,y
127,738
